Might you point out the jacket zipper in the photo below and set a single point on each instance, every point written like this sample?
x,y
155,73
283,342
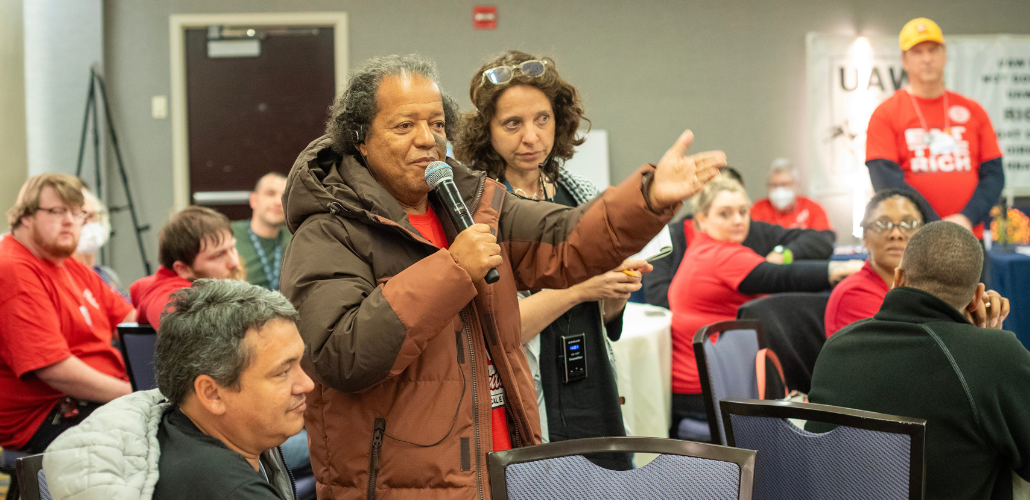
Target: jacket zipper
x,y
475,400
373,465
514,426
293,480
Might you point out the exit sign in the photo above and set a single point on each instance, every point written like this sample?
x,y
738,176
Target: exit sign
x,y
484,17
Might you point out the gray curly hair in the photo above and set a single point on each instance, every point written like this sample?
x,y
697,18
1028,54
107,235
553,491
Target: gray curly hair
x,y
352,112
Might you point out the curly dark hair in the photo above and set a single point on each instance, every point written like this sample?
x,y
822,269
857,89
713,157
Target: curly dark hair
x,y
352,112
473,145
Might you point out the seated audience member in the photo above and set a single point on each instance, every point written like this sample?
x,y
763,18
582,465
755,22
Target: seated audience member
x,y
95,232
771,240
195,243
718,275
262,239
228,362
783,206
923,356
891,217
57,320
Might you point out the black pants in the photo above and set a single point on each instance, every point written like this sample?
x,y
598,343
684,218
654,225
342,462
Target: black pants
x,y
690,406
66,414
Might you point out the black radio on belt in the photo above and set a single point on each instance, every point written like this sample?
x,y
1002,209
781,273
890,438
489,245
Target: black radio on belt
x,y
573,355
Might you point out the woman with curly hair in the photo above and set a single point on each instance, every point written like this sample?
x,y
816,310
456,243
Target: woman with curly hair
x,y
522,131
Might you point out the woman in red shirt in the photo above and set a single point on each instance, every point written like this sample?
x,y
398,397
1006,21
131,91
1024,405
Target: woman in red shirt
x,y
891,218
718,274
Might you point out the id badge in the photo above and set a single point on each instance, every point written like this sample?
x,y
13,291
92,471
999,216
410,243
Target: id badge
x,y
941,143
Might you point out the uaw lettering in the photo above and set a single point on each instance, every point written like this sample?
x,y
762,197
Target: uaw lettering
x,y
879,77
956,160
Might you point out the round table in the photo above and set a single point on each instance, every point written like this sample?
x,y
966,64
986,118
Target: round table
x,y
643,359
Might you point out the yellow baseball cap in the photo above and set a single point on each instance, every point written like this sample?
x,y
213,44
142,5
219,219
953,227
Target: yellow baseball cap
x,y
919,30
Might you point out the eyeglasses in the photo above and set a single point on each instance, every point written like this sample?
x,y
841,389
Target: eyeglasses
x,y
885,227
60,212
503,74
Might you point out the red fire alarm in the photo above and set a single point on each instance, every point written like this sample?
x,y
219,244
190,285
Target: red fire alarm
x,y
484,17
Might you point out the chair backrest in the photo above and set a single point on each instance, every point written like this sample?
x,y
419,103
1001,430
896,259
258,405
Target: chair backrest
x,y
138,343
559,471
868,455
793,326
726,366
31,479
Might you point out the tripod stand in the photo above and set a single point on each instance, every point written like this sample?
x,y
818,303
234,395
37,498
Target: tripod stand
x,y
97,92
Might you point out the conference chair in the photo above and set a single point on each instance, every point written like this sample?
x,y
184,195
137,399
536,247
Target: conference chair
x,y
868,455
793,326
683,470
728,362
138,343
31,478
8,461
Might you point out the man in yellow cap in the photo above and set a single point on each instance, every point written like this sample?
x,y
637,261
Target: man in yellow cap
x,y
934,141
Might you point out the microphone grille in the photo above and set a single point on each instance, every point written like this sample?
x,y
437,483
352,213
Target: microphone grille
x,y
438,171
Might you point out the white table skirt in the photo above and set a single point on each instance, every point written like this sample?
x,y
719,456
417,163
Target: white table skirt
x,y
643,359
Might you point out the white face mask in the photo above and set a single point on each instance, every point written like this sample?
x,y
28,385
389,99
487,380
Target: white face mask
x,y
93,236
782,197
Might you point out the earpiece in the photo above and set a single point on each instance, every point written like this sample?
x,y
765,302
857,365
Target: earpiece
x,y
359,134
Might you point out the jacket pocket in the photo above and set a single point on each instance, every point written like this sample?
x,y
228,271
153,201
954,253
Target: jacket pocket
x,y
373,462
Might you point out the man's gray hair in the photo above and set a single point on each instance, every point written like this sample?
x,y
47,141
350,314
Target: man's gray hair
x,y
203,333
352,113
783,165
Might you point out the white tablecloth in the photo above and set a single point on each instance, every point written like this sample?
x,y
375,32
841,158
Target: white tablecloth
x,y
643,359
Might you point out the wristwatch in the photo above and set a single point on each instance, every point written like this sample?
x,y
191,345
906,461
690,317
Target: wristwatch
x,y
788,255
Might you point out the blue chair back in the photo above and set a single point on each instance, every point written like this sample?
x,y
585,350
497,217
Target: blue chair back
x,y
868,455
138,344
726,366
31,478
559,471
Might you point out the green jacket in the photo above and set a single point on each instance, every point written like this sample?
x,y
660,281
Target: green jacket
x,y
919,357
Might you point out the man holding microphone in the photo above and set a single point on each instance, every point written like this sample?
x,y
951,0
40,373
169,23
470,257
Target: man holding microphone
x,y
401,329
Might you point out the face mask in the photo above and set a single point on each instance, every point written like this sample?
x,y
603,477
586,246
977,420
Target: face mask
x,y
781,197
93,236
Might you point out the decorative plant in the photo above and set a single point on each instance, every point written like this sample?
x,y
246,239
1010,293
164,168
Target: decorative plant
x,y
1014,230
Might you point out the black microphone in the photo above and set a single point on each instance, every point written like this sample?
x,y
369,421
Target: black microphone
x,y
440,177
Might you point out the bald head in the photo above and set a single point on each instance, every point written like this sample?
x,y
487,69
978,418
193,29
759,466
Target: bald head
x,y
945,260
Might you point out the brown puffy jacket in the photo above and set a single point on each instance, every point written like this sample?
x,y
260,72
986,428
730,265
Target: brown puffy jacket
x,y
397,335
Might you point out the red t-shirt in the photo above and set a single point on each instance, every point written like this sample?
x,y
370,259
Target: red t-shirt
x,y
807,214
856,297
150,294
428,225
704,291
49,313
946,180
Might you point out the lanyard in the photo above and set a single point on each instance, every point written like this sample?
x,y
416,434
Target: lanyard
x,y
271,271
919,113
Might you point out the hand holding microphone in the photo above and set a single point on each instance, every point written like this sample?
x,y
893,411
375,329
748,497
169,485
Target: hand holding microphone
x,y
474,249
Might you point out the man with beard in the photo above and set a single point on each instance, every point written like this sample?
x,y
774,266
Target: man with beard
x,y
56,320
195,243
262,240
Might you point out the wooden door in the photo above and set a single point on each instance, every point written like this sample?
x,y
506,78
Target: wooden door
x,y
252,114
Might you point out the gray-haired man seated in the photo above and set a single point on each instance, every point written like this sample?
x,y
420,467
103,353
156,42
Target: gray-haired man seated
x,y
228,362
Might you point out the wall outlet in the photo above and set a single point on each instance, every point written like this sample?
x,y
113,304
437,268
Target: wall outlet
x,y
159,107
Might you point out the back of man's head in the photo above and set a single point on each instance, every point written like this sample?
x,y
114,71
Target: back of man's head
x,y
186,232
204,330
945,260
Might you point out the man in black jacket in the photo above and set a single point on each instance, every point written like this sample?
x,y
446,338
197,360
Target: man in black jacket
x,y
924,356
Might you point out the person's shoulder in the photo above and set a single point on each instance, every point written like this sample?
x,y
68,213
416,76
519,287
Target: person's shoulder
x,y
239,227
763,204
810,203
890,104
580,186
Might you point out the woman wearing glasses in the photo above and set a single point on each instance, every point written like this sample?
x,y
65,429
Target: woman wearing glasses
x,y
719,274
891,218
523,130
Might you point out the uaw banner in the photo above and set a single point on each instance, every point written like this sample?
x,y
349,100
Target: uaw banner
x,y
847,77
995,71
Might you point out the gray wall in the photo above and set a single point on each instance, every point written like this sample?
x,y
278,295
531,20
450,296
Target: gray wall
x,y
13,160
732,70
